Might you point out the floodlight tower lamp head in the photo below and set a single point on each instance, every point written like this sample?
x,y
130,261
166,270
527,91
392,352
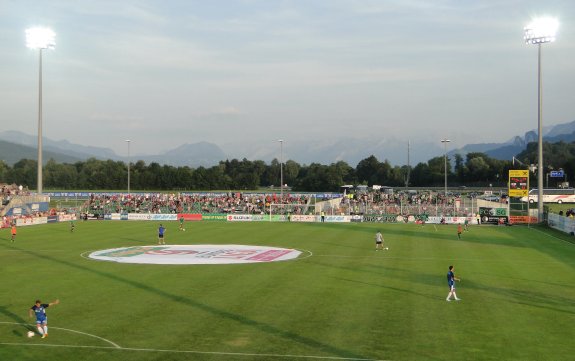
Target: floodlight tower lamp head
x,y
40,38
541,30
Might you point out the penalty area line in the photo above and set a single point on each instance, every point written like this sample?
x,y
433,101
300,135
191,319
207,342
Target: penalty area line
x,y
279,356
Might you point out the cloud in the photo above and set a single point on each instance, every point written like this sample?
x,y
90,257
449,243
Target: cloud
x,y
114,118
227,111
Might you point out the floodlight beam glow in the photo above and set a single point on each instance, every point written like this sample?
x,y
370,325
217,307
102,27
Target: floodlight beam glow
x,y
541,30
40,38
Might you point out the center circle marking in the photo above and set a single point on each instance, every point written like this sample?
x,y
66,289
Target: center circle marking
x,y
196,254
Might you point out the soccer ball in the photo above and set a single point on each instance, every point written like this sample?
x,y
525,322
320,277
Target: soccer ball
x,y
183,229
31,334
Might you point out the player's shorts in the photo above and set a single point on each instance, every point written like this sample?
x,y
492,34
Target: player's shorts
x,y
40,321
452,286
160,236
378,242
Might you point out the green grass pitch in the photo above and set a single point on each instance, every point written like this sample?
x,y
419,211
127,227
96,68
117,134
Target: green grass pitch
x,y
344,302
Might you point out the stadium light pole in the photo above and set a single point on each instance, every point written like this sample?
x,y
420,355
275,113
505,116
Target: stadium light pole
x,y
40,38
445,141
281,169
540,31
129,161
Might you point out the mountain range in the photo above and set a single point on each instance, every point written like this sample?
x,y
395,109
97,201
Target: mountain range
x,y
15,145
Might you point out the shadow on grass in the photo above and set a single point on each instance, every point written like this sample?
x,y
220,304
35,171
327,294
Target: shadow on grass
x,y
527,297
383,269
22,322
396,289
526,280
264,327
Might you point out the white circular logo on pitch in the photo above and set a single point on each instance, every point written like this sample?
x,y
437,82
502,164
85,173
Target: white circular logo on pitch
x,y
195,254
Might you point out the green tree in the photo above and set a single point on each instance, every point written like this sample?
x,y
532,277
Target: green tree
x,y
369,171
60,176
24,172
460,169
437,170
479,169
4,172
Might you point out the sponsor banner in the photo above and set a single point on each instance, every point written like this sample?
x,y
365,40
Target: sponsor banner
x,y
214,217
68,194
113,216
116,217
380,218
151,217
279,218
449,220
493,215
337,219
164,217
196,254
304,218
239,217
23,222
356,218
522,219
52,219
260,217
494,212
190,217
139,217
493,220
66,217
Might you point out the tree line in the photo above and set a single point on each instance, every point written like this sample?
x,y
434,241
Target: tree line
x,y
474,170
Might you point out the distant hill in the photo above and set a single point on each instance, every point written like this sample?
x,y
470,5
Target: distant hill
x,y
21,145
323,151
11,153
62,146
195,155
506,151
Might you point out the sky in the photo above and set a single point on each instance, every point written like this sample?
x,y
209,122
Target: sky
x,y
236,72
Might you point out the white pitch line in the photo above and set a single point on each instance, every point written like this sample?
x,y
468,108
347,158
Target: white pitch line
x,y
90,335
198,352
66,329
552,236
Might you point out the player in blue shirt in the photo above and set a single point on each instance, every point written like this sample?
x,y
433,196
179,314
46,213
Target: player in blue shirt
x,y
451,283
161,231
39,309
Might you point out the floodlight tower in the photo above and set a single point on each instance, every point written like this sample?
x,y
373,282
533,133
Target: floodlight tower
x,y
540,31
281,169
445,141
40,38
129,161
